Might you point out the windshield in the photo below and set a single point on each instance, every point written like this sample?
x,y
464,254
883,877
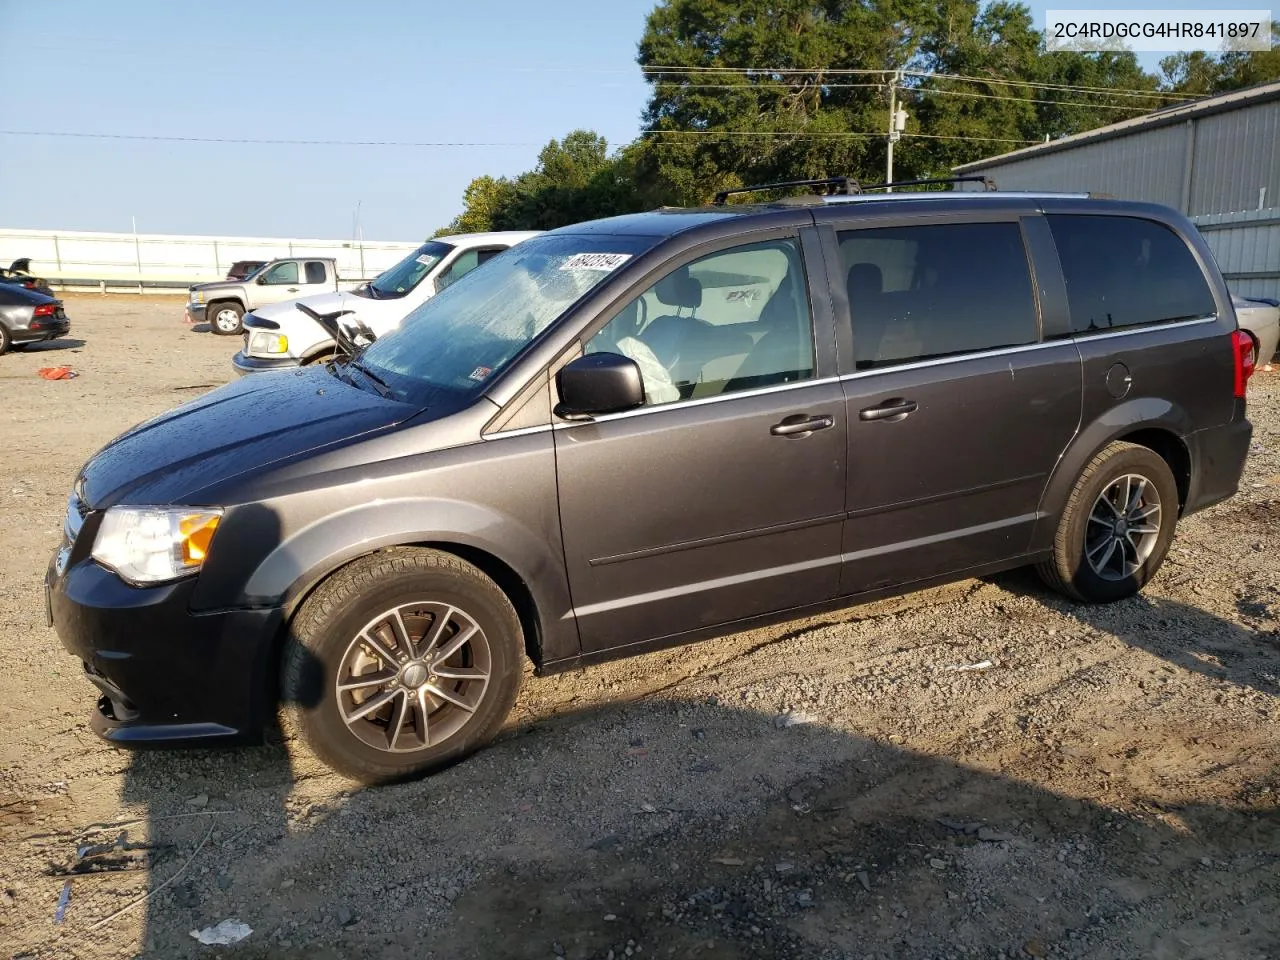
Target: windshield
x,y
468,332
408,273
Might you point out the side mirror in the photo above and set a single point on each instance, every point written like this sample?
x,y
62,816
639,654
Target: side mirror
x,y
598,383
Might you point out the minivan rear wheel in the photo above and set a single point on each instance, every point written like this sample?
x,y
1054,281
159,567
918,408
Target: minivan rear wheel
x,y
401,663
1117,526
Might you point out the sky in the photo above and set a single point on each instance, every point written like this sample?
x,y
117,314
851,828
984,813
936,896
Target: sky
x,y
504,76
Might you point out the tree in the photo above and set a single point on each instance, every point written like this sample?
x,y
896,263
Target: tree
x,y
575,180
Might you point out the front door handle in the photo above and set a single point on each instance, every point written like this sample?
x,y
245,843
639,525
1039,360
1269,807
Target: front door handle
x,y
801,425
293,289
891,410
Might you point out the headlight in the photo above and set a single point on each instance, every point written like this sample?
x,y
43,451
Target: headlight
x,y
263,342
197,296
155,544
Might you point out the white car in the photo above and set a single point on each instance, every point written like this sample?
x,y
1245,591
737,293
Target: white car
x,y
1261,320
280,336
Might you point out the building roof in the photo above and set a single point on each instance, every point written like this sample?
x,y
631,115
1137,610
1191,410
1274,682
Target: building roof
x,y
1178,113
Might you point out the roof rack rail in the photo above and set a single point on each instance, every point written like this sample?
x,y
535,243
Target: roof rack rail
x,y
843,185
847,186
988,185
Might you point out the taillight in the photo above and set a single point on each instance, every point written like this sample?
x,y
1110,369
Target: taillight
x,y
30,284
45,310
1242,347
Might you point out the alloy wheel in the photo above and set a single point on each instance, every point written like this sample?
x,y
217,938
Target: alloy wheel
x,y
226,320
1123,527
413,677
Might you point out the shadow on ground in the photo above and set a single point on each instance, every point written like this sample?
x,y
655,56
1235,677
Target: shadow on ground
x,y
690,830
49,346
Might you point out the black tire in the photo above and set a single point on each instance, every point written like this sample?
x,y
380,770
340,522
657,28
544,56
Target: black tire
x,y
1070,572
224,309
328,632
6,341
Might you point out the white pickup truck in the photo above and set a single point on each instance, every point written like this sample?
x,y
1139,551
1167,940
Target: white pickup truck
x,y
280,336
225,302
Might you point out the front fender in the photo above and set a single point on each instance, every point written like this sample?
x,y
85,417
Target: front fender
x,y
299,563
1140,413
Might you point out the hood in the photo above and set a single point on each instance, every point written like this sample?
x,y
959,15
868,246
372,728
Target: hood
x,y
236,429
217,285
319,302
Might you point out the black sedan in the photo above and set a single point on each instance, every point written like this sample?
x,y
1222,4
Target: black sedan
x,y
28,316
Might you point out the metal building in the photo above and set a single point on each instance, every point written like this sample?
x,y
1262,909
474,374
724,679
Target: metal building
x,y
1217,160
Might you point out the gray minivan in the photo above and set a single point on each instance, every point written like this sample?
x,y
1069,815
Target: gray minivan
x,y
645,430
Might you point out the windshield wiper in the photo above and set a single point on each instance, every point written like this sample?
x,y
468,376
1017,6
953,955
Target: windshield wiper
x,y
383,388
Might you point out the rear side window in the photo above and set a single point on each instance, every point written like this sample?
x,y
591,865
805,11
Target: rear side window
x,y
315,271
1127,272
937,290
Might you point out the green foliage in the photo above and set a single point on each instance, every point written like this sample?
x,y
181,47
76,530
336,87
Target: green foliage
x,y
751,91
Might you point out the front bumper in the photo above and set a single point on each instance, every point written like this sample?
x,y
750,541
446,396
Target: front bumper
x,y
243,363
196,312
46,331
168,675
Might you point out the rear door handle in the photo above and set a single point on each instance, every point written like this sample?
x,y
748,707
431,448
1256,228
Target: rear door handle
x,y
891,410
801,425
293,289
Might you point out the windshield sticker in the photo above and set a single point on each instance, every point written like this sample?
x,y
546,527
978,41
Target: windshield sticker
x,y
426,259
480,373
595,261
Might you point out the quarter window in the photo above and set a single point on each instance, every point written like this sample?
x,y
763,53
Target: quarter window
x,y
1126,272
315,271
286,272
733,320
937,290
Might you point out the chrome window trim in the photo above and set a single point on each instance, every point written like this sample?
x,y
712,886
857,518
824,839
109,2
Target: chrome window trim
x,y
1145,328
856,375
701,401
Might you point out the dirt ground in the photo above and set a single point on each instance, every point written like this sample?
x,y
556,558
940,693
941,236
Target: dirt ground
x,y
1109,787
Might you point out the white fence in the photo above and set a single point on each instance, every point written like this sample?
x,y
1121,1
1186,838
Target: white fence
x,y
159,261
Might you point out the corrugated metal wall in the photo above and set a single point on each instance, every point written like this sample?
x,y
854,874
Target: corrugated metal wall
x,y
1147,166
1237,160
1247,248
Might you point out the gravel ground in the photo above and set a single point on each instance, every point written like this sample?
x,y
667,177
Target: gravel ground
x,y
832,788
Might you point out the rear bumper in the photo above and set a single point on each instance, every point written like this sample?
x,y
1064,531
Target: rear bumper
x,y
46,331
167,675
244,364
1218,456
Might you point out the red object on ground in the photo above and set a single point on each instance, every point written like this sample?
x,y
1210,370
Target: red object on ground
x,y
57,373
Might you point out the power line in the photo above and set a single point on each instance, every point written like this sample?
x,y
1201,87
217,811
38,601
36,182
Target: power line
x,y
257,140
834,72
801,135
992,96
1071,88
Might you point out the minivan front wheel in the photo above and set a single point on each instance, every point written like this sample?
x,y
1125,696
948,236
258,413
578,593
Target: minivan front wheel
x,y
1117,526
401,663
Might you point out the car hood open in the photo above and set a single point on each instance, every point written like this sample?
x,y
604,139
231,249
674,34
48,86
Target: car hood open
x,y
319,302
231,431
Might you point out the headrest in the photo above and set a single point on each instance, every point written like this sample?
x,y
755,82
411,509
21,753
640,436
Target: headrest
x,y
679,289
865,278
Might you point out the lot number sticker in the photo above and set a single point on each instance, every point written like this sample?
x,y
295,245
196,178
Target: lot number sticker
x,y
595,261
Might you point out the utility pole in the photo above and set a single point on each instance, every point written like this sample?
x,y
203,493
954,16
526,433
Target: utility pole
x,y
897,123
